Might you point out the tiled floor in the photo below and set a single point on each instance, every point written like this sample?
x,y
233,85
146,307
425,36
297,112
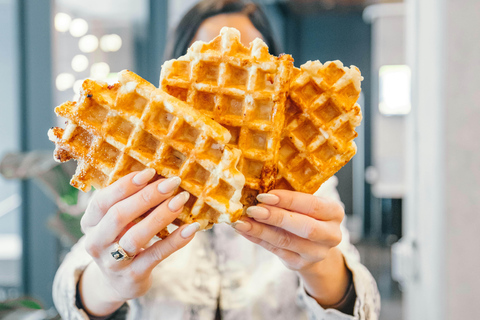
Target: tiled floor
x,y
377,258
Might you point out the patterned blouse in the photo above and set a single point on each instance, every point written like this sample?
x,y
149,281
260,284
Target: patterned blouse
x,y
219,269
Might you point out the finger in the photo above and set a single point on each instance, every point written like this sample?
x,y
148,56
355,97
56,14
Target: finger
x,y
117,191
138,236
306,227
124,212
162,249
316,207
282,239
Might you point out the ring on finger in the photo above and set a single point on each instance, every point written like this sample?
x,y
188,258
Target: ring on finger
x,y
119,254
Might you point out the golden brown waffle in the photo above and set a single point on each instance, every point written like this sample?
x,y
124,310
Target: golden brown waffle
x,y
243,89
114,130
320,121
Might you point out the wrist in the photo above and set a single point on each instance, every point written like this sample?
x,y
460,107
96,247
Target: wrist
x,y
97,296
327,281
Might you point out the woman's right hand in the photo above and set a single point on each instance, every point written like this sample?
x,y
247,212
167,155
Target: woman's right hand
x,y
106,284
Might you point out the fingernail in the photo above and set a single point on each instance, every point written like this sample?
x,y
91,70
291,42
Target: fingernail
x,y
268,198
178,201
143,176
258,212
242,226
167,186
190,229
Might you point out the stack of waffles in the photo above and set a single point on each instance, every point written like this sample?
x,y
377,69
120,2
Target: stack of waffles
x,y
230,121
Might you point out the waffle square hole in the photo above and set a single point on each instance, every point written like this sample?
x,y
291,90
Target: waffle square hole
x,y
177,92
349,93
304,172
214,151
252,169
94,114
235,132
287,151
107,154
249,196
332,74
207,72
129,165
328,111
172,158
180,70
197,175
310,92
204,101
265,81
346,132
291,111
258,140
187,133
282,183
120,129
209,213
263,110
237,77
161,121
306,132
325,152
81,138
233,105
131,103
223,190
146,144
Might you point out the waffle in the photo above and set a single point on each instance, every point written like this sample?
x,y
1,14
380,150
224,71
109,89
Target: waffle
x,y
114,130
321,116
243,89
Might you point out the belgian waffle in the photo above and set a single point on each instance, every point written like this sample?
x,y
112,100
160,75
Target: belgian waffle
x,y
321,116
114,130
243,89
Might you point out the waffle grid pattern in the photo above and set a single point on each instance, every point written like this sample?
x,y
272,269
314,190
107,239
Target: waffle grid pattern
x,y
321,117
133,125
243,89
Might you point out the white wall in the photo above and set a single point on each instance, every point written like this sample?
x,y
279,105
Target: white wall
x,y
442,215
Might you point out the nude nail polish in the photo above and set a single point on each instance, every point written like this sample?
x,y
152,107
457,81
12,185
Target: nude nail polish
x,y
268,198
260,213
168,185
189,230
242,226
143,176
178,201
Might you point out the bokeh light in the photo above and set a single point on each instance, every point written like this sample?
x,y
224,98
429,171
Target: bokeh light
x,y
62,22
64,81
78,27
79,63
99,70
88,43
110,42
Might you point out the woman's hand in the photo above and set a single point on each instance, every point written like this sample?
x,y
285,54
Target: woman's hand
x,y
107,284
303,231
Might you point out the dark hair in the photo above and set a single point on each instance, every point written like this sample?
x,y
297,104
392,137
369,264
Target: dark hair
x,y
181,38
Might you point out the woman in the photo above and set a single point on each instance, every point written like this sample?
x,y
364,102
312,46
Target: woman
x,y
285,261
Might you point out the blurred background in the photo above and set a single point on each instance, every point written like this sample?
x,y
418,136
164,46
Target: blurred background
x,y
411,193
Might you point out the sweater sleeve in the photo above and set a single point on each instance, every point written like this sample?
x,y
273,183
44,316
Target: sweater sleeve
x,y
367,303
65,285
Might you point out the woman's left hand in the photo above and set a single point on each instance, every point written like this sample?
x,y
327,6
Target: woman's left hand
x,y
299,228
303,230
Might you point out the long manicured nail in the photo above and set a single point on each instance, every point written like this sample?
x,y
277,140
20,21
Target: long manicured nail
x,y
258,213
167,186
143,176
268,198
178,201
242,226
190,229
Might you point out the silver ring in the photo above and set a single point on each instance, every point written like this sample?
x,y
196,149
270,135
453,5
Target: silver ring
x,y
120,255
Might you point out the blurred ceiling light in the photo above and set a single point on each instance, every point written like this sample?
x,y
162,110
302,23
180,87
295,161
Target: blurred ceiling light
x,y
78,27
394,90
64,81
79,63
77,86
88,43
62,22
110,42
99,70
